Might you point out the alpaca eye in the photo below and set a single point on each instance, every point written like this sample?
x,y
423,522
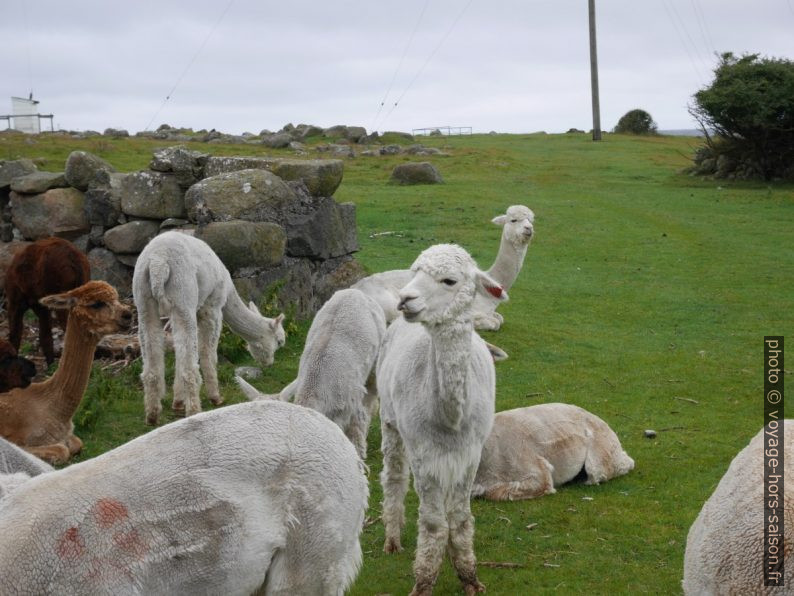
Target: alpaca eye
x,y
513,220
448,281
97,305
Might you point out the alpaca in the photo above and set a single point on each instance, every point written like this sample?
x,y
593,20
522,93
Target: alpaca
x,y
48,266
337,362
15,371
180,277
725,546
272,503
531,450
39,417
436,382
17,467
517,231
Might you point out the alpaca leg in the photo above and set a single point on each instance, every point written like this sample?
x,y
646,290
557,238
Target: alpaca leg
x,y
57,453
74,444
461,541
432,537
357,429
187,379
394,479
537,481
45,331
150,333
16,312
209,333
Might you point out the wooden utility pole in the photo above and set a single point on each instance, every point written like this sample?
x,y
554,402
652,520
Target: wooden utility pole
x,y
594,74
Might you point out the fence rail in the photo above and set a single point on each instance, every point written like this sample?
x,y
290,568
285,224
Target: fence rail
x,y
442,131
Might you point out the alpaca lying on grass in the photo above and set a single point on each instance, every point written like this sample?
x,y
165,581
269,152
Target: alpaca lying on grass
x,y
725,545
517,231
272,502
435,379
48,266
39,417
180,277
15,371
531,450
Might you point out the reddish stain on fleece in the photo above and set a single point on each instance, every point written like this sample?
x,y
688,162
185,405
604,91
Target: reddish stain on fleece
x,y
131,542
109,511
70,545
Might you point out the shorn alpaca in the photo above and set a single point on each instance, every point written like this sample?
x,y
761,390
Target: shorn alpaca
x,y
435,379
725,546
272,503
48,266
15,371
180,277
39,417
517,231
531,450
17,467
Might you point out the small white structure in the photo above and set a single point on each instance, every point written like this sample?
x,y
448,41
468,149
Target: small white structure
x,y
25,113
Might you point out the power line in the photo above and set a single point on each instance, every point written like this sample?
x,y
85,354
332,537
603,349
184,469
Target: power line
x,y
192,60
682,39
399,66
703,24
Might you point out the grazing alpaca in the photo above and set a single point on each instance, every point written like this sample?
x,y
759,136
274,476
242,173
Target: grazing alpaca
x,y
15,371
38,418
725,545
180,277
272,503
531,450
436,383
517,230
48,266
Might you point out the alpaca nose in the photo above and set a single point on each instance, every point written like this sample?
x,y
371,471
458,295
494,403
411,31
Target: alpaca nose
x,y
403,302
126,318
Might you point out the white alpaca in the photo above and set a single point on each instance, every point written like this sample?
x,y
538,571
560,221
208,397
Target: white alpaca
x,y
263,497
435,379
180,277
337,363
17,466
517,231
725,546
531,450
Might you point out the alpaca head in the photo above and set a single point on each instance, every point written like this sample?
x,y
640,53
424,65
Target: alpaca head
x,y
518,224
15,371
445,282
94,307
270,337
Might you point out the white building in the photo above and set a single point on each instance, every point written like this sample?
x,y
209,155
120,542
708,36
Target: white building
x,y
25,114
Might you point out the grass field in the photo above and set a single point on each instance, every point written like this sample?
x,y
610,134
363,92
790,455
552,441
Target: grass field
x,y
644,298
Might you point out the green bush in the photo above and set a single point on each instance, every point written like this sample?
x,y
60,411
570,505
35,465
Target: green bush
x,y
636,122
750,109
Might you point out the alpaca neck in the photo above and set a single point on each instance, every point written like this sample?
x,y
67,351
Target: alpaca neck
x,y
451,351
64,389
239,317
508,263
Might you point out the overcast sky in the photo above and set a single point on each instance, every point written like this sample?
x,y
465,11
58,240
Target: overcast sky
x,y
248,65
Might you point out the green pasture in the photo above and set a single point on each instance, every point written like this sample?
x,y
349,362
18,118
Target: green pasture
x,y
644,298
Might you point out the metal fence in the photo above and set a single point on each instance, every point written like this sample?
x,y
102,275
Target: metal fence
x,y
442,131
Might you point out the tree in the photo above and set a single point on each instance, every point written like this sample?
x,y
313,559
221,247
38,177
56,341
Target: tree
x,y
749,109
636,122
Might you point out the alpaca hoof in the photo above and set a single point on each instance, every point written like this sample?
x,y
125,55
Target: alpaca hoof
x,y
178,407
473,588
422,591
216,400
151,419
392,545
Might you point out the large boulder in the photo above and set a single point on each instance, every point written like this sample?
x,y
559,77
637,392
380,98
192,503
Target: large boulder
x,y
13,169
57,212
321,229
152,195
132,236
38,182
257,195
103,199
186,165
82,167
105,266
321,176
277,140
241,244
416,173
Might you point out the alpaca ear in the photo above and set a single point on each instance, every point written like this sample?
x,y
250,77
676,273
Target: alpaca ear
x,y
498,353
252,307
277,321
499,220
59,301
489,286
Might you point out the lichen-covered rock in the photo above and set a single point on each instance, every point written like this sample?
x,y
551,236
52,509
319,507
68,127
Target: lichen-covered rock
x,y
277,140
103,199
416,173
186,165
321,229
13,169
82,167
240,244
57,212
153,195
105,266
258,195
38,182
132,236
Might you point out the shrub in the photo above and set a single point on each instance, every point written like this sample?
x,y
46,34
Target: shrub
x,y
750,109
636,122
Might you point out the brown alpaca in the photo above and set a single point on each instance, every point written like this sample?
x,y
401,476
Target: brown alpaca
x,y
46,267
38,418
15,371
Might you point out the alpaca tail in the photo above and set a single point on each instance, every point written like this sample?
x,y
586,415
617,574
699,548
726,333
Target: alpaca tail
x,y
159,273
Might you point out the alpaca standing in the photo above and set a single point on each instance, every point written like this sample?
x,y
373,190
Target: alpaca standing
x,y
725,545
39,417
15,371
180,277
517,231
48,266
531,450
272,503
436,383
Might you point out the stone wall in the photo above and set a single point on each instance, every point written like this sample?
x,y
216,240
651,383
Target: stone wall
x,y
272,221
